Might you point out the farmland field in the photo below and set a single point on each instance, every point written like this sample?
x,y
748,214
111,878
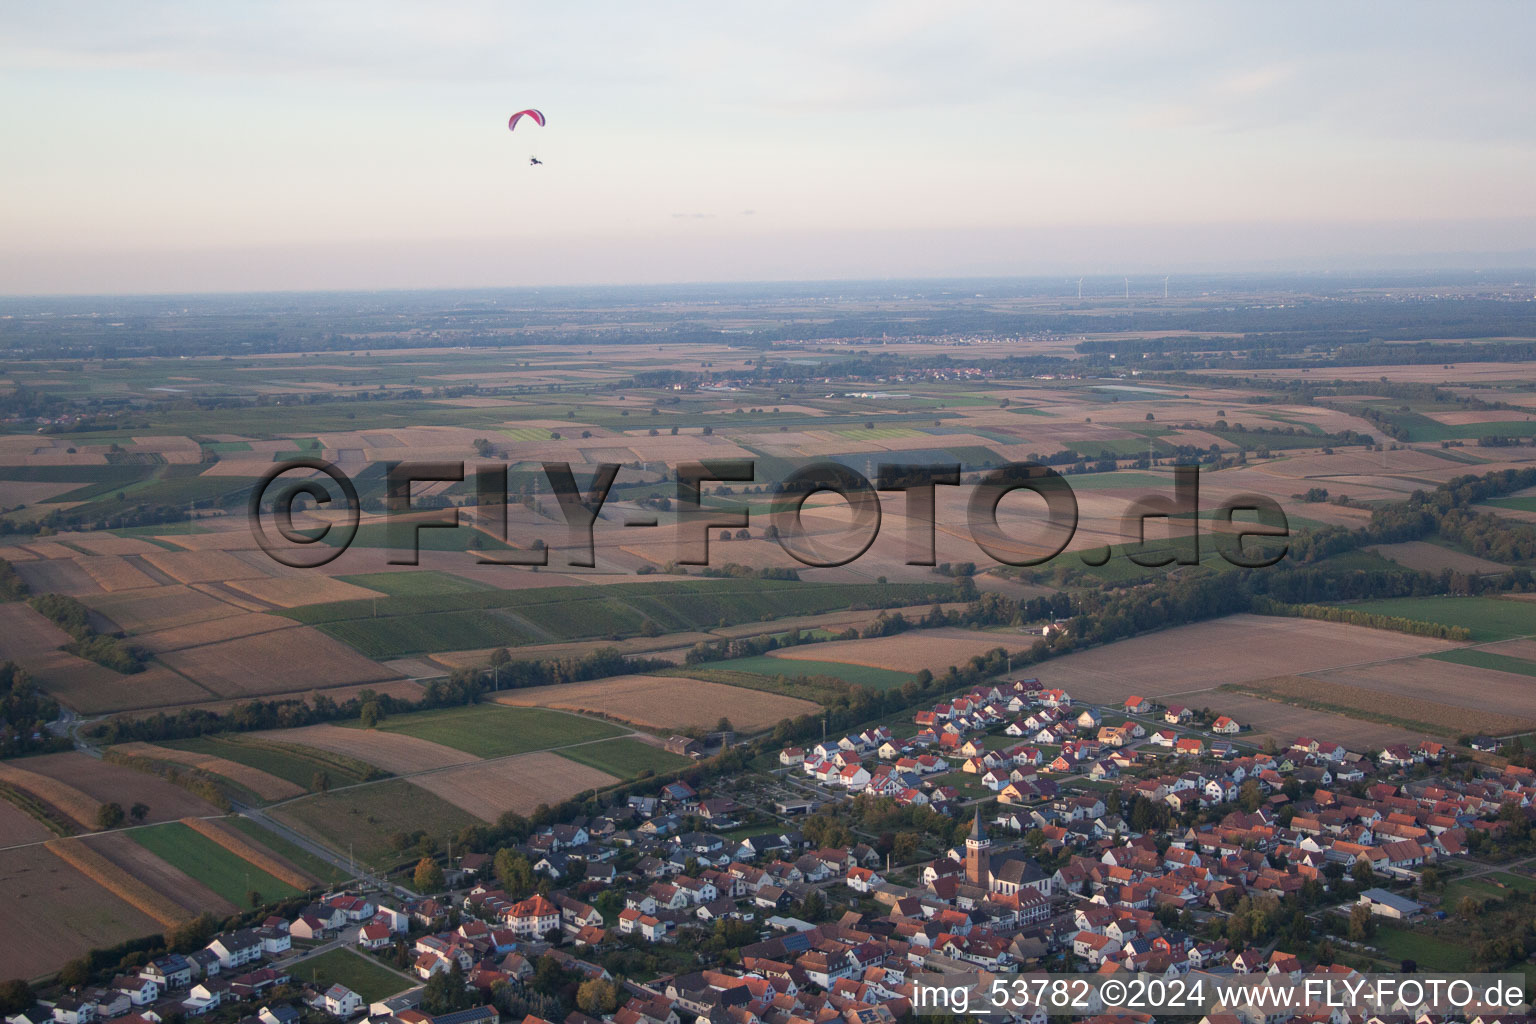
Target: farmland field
x,y
422,583
625,757
292,763
110,783
416,623
364,817
18,827
282,661
520,783
1232,649
1488,660
784,664
494,730
211,864
932,649
1412,714
1489,618
291,852
1470,686
664,703
392,751
263,784
53,913
123,849
357,972
292,591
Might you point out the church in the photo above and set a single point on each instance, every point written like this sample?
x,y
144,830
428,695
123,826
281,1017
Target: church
x,y
1005,872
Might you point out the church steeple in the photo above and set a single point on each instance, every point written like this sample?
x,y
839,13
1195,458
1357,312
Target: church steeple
x,y
978,859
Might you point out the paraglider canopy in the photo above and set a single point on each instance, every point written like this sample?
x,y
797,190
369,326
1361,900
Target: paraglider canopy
x,y
532,115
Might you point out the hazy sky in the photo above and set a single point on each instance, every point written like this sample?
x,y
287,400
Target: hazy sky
x,y
193,146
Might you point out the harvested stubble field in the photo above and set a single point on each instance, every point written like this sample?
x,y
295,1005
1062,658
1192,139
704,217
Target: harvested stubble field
x,y
91,689
169,881
1407,714
108,543
26,635
52,913
284,661
102,782
121,883
1285,722
1427,557
264,785
143,611
362,818
390,751
213,631
201,566
113,573
520,783
17,826
72,804
662,702
1187,660
931,649
1457,688
294,591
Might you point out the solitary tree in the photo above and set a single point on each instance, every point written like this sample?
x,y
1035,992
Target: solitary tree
x,y
429,876
138,812
109,815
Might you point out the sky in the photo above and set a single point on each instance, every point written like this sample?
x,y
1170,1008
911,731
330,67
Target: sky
x,y
164,147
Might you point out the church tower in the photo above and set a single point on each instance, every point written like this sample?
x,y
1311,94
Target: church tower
x,y
978,857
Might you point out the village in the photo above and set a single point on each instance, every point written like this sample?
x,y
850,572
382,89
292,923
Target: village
x,y
1144,838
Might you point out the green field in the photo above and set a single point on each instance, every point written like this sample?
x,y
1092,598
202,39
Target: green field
x,y
1488,618
428,538
364,817
1494,886
495,730
285,760
1368,561
626,758
863,675
292,852
420,583
415,621
1122,447
396,636
1526,503
876,434
367,977
209,863
1488,659
1428,951
528,433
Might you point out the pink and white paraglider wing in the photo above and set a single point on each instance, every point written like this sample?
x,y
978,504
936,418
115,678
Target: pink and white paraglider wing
x,y
535,116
